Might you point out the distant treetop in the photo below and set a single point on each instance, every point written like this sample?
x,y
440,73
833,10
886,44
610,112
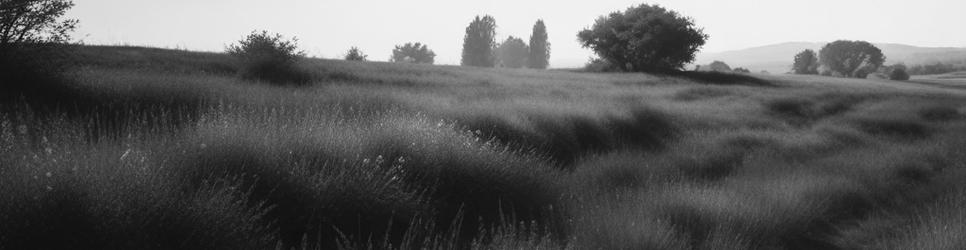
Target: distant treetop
x,y
513,53
355,54
479,42
413,53
539,57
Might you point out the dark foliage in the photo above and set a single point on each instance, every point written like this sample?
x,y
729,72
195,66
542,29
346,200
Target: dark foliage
x,y
644,38
34,21
269,58
851,58
806,63
31,51
355,54
479,43
899,73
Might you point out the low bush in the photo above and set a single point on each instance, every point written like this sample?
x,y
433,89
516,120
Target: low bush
x,y
269,58
899,73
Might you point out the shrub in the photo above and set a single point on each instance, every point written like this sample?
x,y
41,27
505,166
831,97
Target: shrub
x,y
899,73
600,65
672,40
269,58
413,53
355,54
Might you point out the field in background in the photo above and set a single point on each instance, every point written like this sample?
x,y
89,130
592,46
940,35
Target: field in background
x,y
150,148
953,80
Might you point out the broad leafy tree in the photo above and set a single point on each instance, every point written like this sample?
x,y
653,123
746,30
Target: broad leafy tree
x,y
413,53
34,21
645,38
719,66
479,42
539,47
30,56
806,63
513,53
851,58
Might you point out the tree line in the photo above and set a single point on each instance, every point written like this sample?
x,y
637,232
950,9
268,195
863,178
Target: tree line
x,y
480,48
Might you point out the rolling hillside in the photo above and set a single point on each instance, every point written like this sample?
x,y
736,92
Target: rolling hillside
x,y
139,148
777,58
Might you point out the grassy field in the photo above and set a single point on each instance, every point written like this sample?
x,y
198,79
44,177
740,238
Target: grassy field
x,y
159,149
951,80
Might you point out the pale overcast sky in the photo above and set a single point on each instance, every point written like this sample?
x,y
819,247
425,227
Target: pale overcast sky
x,y
327,28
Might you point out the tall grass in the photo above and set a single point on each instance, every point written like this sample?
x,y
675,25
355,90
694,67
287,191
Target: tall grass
x,y
146,148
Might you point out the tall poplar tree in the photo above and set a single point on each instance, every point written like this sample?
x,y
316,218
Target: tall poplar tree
x,y
479,42
539,47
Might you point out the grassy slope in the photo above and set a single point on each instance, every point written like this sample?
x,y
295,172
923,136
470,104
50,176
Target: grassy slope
x,y
169,149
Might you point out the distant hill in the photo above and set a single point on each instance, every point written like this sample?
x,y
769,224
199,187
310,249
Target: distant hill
x,y
777,58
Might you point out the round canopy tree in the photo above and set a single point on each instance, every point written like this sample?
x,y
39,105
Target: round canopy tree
x,y
719,66
513,53
851,58
645,38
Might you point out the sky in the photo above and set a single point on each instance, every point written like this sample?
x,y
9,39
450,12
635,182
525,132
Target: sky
x,y
328,28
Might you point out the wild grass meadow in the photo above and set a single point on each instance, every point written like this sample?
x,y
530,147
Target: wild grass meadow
x,y
139,148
